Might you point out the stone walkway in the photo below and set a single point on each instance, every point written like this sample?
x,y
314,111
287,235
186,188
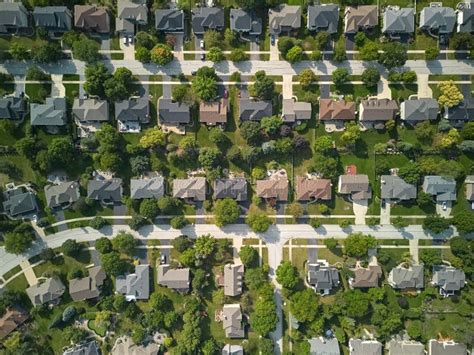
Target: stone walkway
x,y
28,272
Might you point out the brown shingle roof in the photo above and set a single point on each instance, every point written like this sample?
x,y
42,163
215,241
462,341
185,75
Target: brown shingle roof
x,y
213,112
317,189
367,277
378,110
12,319
90,17
361,17
273,188
336,110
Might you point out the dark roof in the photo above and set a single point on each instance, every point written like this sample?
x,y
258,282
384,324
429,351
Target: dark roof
x,y
12,107
65,192
207,18
322,277
90,110
441,19
105,190
147,188
87,287
444,188
254,110
135,286
137,109
419,110
273,189
169,20
323,18
399,20
177,279
173,112
394,187
466,18
245,21
462,112
57,18
365,347
13,14
19,202
92,18
51,113
12,319
367,277
448,278
235,188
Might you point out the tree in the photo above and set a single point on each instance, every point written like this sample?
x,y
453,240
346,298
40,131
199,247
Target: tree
x,y
144,40
300,142
360,39
168,205
424,199
410,172
316,55
19,52
86,50
271,125
143,55
181,93
149,208
304,305
464,222
209,157
370,51
339,53
355,303
330,243
266,346
328,167
250,131
226,211
371,76
238,55
285,43
212,39
415,330
436,224
322,40
306,77
210,347
139,164
47,254
199,280
264,319
358,244
263,87
205,87
96,75
296,210
215,54
351,134
323,145
48,53
449,139
295,54
204,246
394,55
103,245
450,94
124,243
287,275
217,136
181,243
161,54
249,256
249,154
340,76
246,4
113,265
18,243
399,222
70,247
462,40
97,222
178,222
431,53
152,138
430,257
467,132
258,222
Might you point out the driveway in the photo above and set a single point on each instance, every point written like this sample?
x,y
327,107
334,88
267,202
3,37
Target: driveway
x,y
128,49
324,89
200,211
383,90
350,46
424,90
141,254
95,255
59,215
385,213
253,48
29,273
57,88
360,210
120,210
196,40
19,85
274,52
144,89
441,212
178,46
166,87
105,42
287,86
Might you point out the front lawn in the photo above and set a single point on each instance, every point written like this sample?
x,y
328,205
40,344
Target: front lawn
x,y
38,92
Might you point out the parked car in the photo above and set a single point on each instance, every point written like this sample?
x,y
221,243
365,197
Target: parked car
x,y
203,56
201,44
125,40
444,206
272,40
163,259
226,94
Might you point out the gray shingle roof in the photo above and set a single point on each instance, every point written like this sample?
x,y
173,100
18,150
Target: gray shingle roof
x,y
295,110
13,15
51,113
395,188
207,18
232,321
45,292
367,277
254,110
133,110
235,188
192,188
90,110
169,20
322,277
19,202
63,193
448,278
284,18
419,110
324,346
356,185
399,21
135,286
105,190
466,18
441,19
89,348
230,349
173,112
323,18
147,188
444,188
55,18
177,279
364,347
403,278
129,14
233,279
87,287
245,21
12,108
446,348
462,112
404,347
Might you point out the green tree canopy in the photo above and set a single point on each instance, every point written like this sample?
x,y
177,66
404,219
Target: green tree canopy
x,y
287,275
226,211
358,244
304,305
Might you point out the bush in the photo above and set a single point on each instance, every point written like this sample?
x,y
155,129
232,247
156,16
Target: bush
x,y
137,222
315,223
97,222
178,222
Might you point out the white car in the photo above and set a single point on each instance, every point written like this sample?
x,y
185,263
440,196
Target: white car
x,y
444,206
125,40
201,44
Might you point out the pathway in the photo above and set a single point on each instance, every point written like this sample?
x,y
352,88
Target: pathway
x,y
28,272
383,90
424,90
19,84
237,245
57,87
413,243
287,86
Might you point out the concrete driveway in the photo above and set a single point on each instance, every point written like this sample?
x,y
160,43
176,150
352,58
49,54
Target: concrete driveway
x,y
178,46
360,208
444,213
385,213
274,52
19,85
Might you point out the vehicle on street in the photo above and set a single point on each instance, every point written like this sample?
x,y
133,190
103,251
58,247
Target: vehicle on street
x,y
203,56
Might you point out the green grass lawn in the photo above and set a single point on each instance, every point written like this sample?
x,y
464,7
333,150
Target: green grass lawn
x,y
402,92
38,92
421,40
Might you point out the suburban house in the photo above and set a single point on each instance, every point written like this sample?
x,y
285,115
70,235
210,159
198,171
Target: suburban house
x,y
275,189
52,114
413,111
153,187
62,195
295,111
323,17
310,188
446,347
366,277
364,347
207,18
245,22
11,320
406,278
19,202
83,348
336,112
394,189
357,187
323,346
54,19
465,16
254,110
398,21
230,349
85,288
169,20
322,277
360,18
135,286
405,347
106,191
91,18
213,112
460,114
124,345
232,321
235,188
176,279
437,19
443,188
448,279
233,279
13,108
373,113
284,19
191,189
131,113
129,15
13,17
89,115
47,291
173,113
469,182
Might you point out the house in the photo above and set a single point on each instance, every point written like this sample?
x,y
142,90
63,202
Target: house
x,y
207,18
398,21
129,15
313,189
91,18
357,187
85,288
213,112
406,278
89,115
13,17
235,188
87,348
232,321
245,22
442,187
135,286
437,19
405,347
366,277
230,349
147,188
295,111
13,108
364,347
11,320
62,195
106,191
177,279
460,114
465,16
336,112
413,111
323,17
323,346
284,19
55,19
169,20
322,277
131,113
52,114
125,346
173,113
47,291
448,279
469,182
193,188
273,189
447,347
19,202
254,110
395,189
233,279
374,113
360,18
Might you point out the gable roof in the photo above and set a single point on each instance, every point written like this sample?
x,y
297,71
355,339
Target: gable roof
x,y
254,110
273,188
233,279
19,202
356,185
90,110
132,12
147,188
448,278
12,108
444,188
284,18
47,291
125,346
309,189
322,277
194,188
89,348
235,188
64,192
232,321
105,190
377,110
56,18
213,111
462,112
469,182
169,20
137,109
394,187
441,19
13,14
92,18
245,21
323,17
324,346
446,348
364,16
419,110
12,319
51,113
403,278
365,347
87,287
135,286
207,18
173,112
367,277
230,349
336,110
295,110
405,347
465,18
399,20
177,279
